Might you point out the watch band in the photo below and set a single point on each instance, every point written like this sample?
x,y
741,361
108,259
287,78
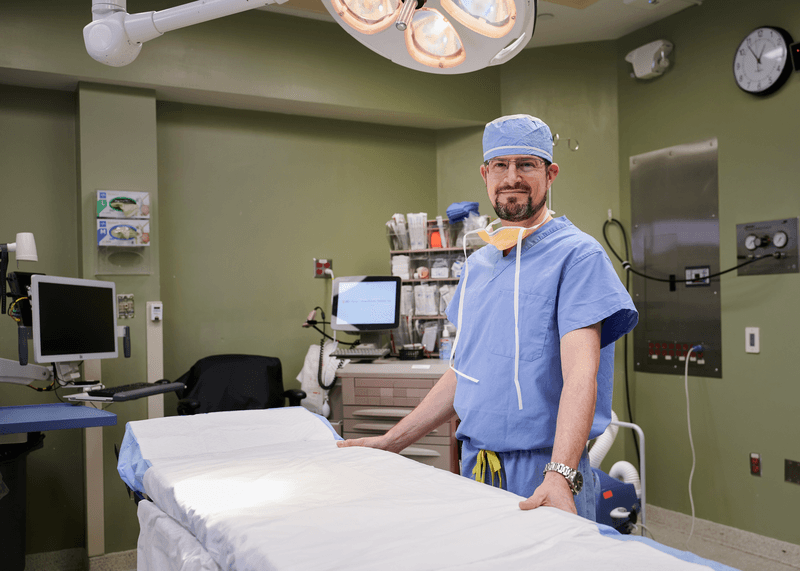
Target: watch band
x,y
572,476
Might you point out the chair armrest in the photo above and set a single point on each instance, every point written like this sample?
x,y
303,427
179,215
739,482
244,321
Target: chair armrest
x,y
294,396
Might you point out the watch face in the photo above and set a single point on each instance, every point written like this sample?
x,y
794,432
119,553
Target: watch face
x,y
578,483
761,64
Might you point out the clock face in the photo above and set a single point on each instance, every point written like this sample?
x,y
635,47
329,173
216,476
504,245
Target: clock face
x,y
761,64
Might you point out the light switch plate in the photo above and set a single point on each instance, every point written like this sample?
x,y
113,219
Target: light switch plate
x,y
752,339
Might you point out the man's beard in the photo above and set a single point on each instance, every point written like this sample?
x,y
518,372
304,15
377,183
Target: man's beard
x,y
516,211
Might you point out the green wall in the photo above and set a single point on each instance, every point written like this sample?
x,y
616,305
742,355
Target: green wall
x,y
249,199
754,407
261,158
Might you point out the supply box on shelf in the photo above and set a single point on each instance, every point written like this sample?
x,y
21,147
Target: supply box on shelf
x,y
430,263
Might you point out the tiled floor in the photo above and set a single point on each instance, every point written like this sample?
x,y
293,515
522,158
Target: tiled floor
x,y
735,548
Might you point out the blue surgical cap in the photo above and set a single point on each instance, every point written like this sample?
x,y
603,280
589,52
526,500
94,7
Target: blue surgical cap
x,y
517,135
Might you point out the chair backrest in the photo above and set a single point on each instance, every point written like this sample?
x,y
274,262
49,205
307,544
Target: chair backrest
x,y
234,382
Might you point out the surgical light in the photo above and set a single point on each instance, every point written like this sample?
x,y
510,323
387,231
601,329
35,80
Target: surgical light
x,y
449,36
437,36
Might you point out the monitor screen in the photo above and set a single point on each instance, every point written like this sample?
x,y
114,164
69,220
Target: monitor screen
x,y
365,303
73,319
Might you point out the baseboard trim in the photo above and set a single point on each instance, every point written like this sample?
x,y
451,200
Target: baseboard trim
x,y
761,546
76,560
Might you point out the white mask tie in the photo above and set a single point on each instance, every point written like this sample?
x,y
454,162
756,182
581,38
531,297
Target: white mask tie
x,y
522,233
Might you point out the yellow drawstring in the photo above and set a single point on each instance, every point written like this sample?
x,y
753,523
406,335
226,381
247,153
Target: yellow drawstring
x,y
487,458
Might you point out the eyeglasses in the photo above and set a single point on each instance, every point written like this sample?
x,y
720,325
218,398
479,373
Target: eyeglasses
x,y
499,167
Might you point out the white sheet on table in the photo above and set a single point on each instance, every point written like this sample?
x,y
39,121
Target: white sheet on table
x,y
165,546
146,442
312,506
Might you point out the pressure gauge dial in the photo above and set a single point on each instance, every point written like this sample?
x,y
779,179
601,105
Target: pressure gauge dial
x,y
752,242
780,239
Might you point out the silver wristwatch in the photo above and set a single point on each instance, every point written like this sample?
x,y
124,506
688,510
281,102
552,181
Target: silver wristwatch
x,y
573,477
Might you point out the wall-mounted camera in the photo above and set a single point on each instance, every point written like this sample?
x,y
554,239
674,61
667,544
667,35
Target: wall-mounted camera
x,y
650,60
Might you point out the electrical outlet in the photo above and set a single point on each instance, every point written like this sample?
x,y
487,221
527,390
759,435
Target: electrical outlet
x,y
125,307
755,464
320,265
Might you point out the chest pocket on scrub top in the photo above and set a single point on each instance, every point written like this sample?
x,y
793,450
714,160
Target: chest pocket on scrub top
x,y
535,314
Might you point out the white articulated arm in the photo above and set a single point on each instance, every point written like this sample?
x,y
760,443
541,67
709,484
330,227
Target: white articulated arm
x,y
115,37
13,372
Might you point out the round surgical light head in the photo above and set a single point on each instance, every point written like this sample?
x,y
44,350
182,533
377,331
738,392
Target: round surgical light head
x,y
367,16
441,36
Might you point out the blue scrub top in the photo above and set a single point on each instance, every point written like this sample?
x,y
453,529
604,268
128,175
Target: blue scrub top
x,y
566,282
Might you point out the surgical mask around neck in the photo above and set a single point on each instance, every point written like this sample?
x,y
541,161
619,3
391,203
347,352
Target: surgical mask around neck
x,y
507,237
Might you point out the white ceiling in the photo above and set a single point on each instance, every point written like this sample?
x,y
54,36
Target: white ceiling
x,y
559,21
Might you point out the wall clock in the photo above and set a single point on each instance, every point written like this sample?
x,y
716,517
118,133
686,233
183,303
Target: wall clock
x,y
761,65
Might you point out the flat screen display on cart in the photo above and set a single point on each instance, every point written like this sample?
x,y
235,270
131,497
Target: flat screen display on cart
x,y
73,319
365,303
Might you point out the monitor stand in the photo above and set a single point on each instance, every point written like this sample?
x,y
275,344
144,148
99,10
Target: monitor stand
x,y
378,339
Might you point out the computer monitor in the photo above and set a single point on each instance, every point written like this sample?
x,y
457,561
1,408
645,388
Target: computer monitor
x,y
73,319
365,303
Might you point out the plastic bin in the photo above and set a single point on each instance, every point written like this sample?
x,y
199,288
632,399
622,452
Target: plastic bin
x,y
13,464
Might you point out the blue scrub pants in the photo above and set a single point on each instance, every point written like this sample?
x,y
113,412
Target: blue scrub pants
x,y
522,472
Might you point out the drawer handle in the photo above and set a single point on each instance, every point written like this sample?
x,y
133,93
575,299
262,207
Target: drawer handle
x,y
382,427
373,427
383,412
419,452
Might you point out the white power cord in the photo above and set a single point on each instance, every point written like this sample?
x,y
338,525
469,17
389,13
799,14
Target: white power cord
x,y
691,441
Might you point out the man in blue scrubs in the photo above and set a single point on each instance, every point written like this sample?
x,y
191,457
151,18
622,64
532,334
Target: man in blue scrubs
x,y
538,311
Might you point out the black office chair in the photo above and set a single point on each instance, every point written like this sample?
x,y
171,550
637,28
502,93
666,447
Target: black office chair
x,y
235,382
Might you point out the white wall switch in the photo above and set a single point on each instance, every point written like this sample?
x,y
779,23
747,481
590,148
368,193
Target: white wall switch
x,y
752,340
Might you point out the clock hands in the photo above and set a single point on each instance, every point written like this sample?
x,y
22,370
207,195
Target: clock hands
x,y
758,58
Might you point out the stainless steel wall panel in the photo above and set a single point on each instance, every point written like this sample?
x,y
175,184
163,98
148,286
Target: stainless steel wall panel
x,y
675,235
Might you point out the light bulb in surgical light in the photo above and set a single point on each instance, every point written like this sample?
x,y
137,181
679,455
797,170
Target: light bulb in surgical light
x,y
433,41
367,16
490,18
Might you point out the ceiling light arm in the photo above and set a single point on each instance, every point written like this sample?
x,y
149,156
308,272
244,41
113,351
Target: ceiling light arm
x,y
115,37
